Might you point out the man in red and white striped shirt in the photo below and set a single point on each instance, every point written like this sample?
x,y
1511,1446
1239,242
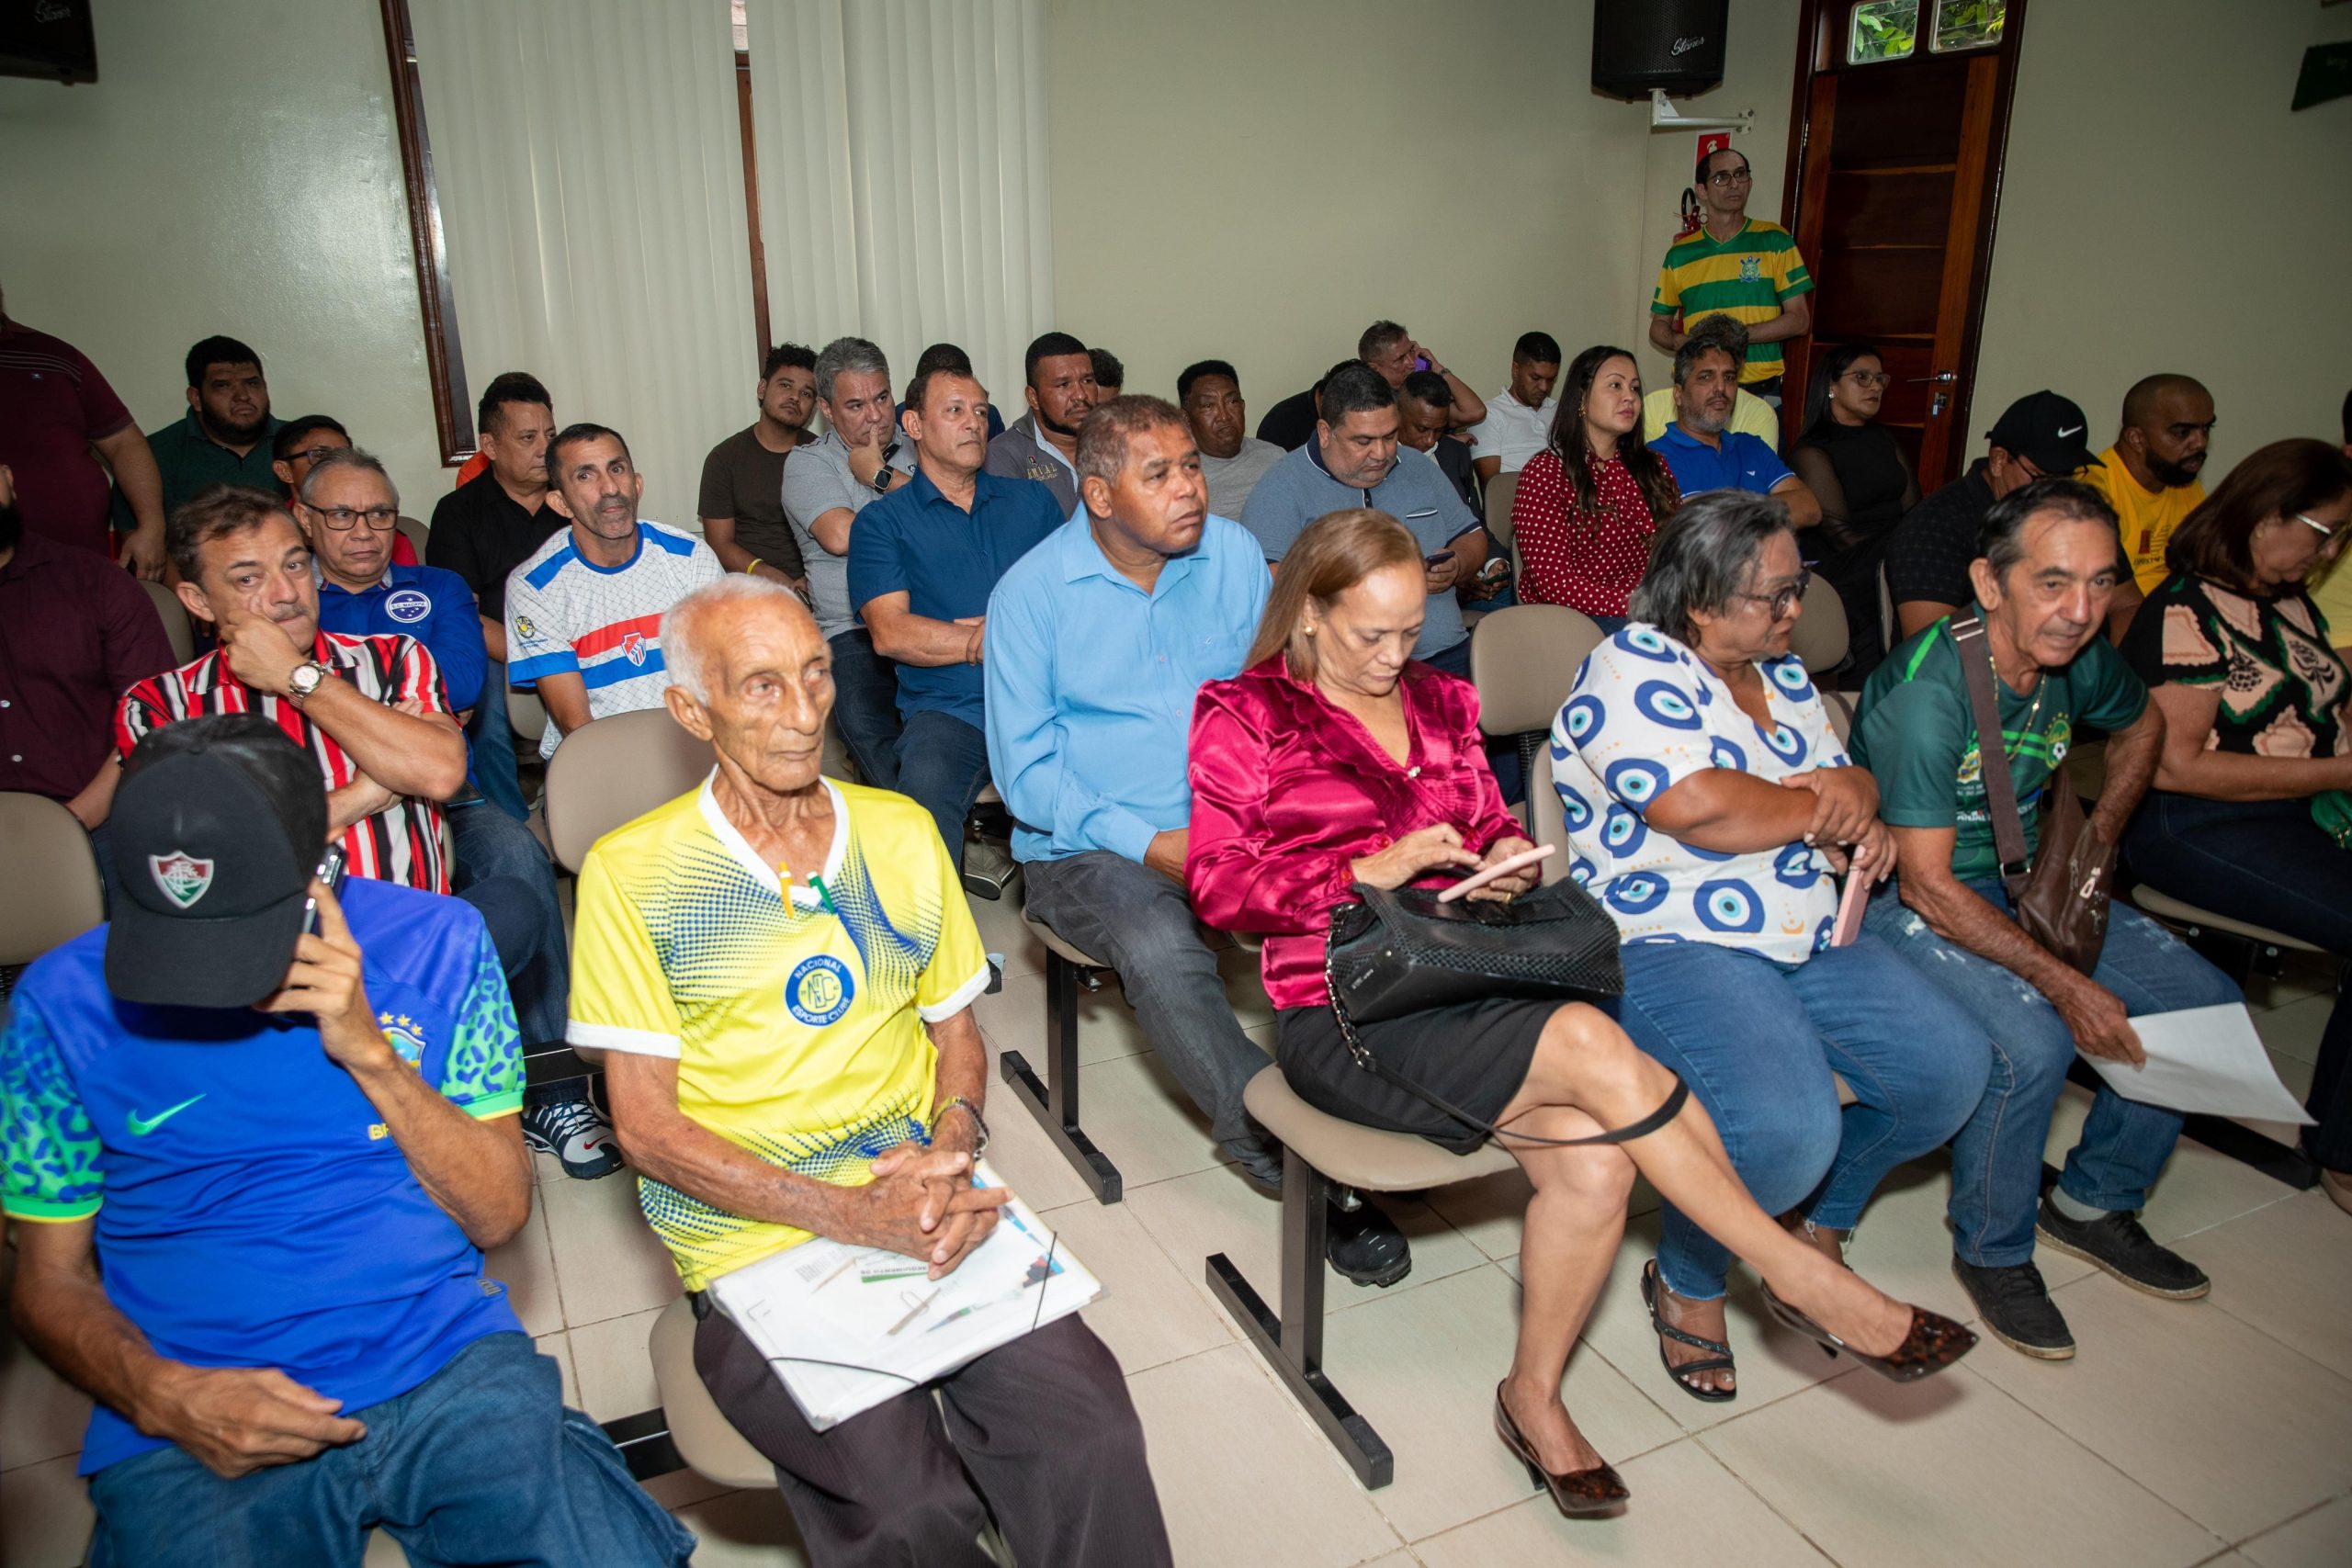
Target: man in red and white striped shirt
x,y
371,709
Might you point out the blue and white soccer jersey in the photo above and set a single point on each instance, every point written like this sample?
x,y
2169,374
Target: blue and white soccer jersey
x,y
1645,714
567,616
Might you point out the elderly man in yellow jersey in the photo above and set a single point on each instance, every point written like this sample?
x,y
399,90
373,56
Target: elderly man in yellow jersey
x,y
1737,266
783,969
2149,476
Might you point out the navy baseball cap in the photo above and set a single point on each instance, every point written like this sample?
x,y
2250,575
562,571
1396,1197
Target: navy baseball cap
x,y
2047,430
217,829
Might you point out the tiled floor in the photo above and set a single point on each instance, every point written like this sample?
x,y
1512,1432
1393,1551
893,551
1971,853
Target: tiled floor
x,y
2212,1432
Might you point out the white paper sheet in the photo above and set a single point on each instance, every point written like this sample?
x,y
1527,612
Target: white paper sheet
x,y
2204,1059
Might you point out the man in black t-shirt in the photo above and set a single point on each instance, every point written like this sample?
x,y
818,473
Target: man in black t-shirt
x,y
741,505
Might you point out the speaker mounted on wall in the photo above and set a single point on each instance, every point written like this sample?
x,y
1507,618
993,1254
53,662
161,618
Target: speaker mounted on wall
x,y
50,40
1640,47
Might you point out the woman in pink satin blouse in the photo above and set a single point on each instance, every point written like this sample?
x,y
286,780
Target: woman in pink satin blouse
x,y
1334,758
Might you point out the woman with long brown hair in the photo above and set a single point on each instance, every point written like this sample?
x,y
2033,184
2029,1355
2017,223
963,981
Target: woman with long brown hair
x,y
1335,759
1588,503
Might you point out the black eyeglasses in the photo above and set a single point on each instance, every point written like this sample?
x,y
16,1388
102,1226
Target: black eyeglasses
x,y
341,518
1782,603
311,454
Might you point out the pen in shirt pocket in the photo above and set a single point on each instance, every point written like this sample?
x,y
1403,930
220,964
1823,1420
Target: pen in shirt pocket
x,y
825,896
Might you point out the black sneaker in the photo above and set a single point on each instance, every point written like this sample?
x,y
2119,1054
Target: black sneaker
x,y
2119,1243
1365,1244
570,1129
2015,1308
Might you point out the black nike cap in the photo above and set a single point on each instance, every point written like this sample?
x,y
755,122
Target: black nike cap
x,y
2048,432
217,829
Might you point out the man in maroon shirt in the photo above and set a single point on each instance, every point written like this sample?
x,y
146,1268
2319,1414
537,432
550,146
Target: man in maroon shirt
x,y
74,632
57,420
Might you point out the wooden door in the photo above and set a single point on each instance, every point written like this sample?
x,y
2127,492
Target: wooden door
x,y
1894,176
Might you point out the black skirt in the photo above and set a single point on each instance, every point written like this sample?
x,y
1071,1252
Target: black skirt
x,y
1472,1055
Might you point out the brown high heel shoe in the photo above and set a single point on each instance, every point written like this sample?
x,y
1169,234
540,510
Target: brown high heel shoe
x,y
1579,1494
1934,1343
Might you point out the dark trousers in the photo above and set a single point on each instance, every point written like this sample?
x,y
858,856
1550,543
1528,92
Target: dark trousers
x,y
490,746
1038,1433
866,708
2265,861
943,762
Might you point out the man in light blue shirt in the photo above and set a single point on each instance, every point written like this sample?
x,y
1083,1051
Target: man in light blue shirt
x,y
1701,449
1098,641
1354,460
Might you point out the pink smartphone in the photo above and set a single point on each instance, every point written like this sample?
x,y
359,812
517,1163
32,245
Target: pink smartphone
x,y
1478,879
1849,910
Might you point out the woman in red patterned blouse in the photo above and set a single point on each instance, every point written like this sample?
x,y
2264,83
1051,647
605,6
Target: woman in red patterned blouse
x,y
1584,521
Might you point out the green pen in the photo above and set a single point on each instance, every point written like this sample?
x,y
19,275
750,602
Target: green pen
x,y
824,895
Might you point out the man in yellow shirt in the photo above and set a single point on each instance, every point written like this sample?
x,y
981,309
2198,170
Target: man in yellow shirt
x,y
2149,476
783,969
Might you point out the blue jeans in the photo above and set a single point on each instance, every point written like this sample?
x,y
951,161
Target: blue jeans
x,y
943,762
866,708
490,746
2268,862
1757,1041
481,1464
502,872
1997,1158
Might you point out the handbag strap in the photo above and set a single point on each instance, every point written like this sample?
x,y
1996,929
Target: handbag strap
x,y
1666,1112
1992,751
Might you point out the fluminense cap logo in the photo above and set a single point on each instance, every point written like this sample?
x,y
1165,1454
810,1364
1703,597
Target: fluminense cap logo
x,y
182,877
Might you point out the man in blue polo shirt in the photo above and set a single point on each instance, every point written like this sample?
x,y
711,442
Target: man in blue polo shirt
x,y
1100,639
1354,459
287,1152
347,507
923,560
1700,447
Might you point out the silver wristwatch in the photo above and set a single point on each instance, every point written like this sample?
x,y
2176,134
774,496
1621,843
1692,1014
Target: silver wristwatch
x,y
304,679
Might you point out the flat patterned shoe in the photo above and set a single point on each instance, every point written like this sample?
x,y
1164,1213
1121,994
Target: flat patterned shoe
x,y
1934,1343
1579,1494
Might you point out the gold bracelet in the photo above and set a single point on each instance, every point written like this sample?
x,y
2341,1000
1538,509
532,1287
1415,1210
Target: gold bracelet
x,y
756,564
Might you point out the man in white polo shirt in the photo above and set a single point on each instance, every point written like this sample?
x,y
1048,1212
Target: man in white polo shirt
x,y
584,614
1518,418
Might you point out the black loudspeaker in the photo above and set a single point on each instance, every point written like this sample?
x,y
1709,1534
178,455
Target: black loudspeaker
x,y
1642,46
47,39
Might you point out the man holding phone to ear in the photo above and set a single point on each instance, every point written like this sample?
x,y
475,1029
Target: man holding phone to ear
x,y
287,1152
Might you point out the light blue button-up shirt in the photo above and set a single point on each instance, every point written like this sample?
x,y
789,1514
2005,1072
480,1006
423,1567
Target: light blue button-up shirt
x,y
1091,684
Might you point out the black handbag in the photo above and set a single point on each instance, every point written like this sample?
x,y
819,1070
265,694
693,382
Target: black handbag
x,y
1392,953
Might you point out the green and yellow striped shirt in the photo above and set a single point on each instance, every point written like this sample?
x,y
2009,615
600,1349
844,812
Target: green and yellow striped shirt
x,y
1749,278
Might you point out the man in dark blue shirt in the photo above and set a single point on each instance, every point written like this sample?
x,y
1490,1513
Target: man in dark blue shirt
x,y
347,508
923,561
283,1141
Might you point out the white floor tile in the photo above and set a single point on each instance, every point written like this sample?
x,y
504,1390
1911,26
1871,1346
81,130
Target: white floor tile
x,y
2294,1029
526,1268
1148,1315
609,1262
1004,933
2320,1538
2286,1269
557,1347
615,1368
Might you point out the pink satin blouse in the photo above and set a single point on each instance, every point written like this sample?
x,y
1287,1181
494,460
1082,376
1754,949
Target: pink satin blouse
x,y
1288,790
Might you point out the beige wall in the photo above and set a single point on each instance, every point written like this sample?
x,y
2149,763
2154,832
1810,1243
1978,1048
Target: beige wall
x,y
2162,211
234,170
1257,182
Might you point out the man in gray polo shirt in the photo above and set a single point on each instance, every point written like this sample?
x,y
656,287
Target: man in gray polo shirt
x,y
826,484
1355,460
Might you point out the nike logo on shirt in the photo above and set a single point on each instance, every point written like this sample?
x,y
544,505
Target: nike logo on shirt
x,y
143,1125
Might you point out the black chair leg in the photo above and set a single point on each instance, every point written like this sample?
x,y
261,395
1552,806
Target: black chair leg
x,y
1292,1342
1055,1104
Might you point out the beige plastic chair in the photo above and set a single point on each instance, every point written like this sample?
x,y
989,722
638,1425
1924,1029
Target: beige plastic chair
x,y
1323,1152
177,629
53,889
1523,660
414,532
2243,946
704,1439
1500,492
526,714
1820,639
613,771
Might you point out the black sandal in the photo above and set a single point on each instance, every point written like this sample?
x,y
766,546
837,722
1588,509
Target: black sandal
x,y
1718,1359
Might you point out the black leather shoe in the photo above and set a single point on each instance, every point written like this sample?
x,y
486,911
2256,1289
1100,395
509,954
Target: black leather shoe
x,y
2015,1307
1365,1244
2119,1243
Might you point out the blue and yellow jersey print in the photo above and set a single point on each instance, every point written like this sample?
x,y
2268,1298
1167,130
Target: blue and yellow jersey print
x,y
796,1017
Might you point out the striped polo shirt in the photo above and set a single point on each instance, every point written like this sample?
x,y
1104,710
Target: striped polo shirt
x,y
567,616
400,843
1750,277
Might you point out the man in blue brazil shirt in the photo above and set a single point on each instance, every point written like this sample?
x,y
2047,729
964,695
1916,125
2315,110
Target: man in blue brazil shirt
x,y
255,1164
347,507
923,561
1701,450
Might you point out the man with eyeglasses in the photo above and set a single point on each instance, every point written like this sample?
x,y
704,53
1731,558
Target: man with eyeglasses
x,y
348,508
2040,436
302,442
1737,266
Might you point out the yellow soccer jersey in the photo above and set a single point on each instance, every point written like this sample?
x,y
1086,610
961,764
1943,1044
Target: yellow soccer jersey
x,y
796,1023
2146,522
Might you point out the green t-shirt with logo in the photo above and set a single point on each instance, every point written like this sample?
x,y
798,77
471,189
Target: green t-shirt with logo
x,y
1914,731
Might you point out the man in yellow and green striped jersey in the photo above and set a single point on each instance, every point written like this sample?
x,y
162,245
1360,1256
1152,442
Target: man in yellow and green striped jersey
x,y
1738,266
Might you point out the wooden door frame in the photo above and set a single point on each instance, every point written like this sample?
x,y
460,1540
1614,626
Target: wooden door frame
x,y
1821,34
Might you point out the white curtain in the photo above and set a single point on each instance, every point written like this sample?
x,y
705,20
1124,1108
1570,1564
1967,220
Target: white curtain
x,y
902,176
589,160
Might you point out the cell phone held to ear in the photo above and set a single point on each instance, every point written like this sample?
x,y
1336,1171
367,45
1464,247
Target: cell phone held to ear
x,y
330,871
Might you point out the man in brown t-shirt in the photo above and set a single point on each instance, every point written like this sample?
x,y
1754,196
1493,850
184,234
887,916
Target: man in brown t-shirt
x,y
743,480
